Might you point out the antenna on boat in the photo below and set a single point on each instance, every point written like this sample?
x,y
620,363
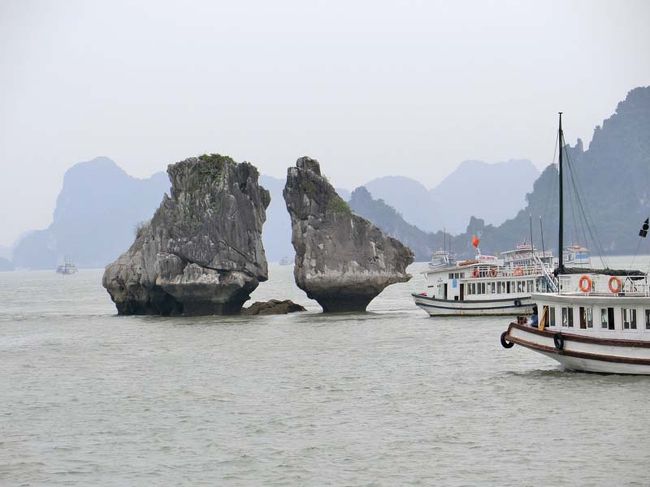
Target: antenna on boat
x,y
560,266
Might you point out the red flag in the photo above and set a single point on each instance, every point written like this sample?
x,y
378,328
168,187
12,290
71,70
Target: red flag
x,y
475,241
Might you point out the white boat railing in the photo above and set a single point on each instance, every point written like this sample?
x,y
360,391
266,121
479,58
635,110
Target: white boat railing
x,y
550,278
603,285
487,271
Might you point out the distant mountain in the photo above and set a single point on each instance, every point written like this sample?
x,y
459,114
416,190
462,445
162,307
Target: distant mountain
x,y
343,193
613,181
468,191
276,234
100,206
492,192
410,198
5,252
96,214
391,222
6,265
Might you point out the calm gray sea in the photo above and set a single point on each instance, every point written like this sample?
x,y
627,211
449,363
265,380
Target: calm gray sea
x,y
389,397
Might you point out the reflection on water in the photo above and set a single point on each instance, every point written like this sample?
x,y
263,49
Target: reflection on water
x,y
387,397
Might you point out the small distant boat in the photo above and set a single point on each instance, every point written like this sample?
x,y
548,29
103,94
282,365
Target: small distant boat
x,y
286,261
67,268
577,255
441,259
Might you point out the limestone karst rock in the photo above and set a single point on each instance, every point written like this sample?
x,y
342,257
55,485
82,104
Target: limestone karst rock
x,y
342,260
202,251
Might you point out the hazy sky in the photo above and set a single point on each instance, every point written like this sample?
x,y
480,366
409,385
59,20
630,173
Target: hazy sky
x,y
369,88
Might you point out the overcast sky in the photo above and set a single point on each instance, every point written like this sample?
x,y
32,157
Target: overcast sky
x,y
369,88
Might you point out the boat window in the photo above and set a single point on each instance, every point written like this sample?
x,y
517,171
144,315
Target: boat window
x,y
551,315
647,319
567,317
607,318
628,316
493,287
508,287
586,317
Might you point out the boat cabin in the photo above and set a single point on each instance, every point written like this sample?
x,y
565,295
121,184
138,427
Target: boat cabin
x,y
598,304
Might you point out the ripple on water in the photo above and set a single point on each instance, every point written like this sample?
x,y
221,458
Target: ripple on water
x,y
382,398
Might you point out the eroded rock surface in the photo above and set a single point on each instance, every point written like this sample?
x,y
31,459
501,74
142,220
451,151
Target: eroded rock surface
x,y
202,251
342,260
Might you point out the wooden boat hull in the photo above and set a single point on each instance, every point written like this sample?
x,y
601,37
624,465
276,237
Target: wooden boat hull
x,y
584,353
496,307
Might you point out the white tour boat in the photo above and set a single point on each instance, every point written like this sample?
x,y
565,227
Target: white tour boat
x,y
597,323
487,285
602,325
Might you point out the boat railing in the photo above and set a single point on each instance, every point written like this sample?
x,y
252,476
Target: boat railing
x,y
548,274
603,285
487,271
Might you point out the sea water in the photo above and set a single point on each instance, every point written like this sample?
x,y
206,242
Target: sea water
x,y
387,397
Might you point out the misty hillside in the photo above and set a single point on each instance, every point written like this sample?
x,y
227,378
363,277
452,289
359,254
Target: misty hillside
x,y
99,208
468,191
95,216
6,264
613,179
409,197
391,222
100,205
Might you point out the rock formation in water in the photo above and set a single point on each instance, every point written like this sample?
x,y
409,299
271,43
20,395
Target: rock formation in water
x,y
342,260
202,251
272,307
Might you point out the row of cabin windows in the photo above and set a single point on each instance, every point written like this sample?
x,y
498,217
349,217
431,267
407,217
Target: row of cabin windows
x,y
456,275
585,318
500,287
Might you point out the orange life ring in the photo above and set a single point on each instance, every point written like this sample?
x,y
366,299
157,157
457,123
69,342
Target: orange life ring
x,y
585,284
475,272
493,272
618,285
518,271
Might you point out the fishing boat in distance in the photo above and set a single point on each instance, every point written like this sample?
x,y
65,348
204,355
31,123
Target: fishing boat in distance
x,y
597,323
67,268
486,284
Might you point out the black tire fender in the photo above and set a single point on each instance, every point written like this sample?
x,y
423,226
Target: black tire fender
x,y
558,341
505,343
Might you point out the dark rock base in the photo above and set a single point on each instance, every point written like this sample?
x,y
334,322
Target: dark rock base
x,y
161,303
272,307
344,303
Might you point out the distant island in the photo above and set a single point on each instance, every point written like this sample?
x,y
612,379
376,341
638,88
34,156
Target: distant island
x,y
100,206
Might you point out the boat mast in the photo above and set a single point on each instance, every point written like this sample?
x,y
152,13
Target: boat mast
x,y
560,267
541,232
530,225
